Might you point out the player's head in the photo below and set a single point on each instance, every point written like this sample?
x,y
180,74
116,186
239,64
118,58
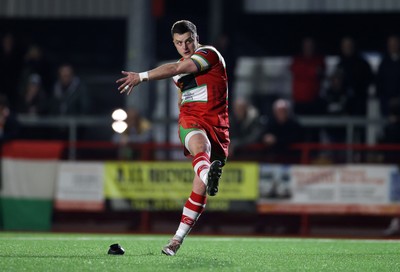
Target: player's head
x,y
185,38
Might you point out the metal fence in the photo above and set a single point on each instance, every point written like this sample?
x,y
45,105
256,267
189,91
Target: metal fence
x,y
72,124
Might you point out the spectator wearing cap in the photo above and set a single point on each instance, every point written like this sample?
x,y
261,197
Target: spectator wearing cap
x,y
33,98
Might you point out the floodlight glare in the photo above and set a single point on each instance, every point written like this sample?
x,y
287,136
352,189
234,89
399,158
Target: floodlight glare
x,y
119,115
119,126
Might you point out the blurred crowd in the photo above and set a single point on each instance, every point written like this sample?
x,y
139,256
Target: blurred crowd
x,y
341,93
31,86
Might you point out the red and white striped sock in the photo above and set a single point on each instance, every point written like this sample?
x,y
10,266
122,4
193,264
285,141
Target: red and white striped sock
x,y
192,210
201,165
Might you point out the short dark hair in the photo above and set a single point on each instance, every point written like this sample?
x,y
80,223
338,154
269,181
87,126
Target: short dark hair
x,y
183,26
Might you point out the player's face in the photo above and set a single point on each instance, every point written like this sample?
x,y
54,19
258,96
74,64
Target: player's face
x,y
186,44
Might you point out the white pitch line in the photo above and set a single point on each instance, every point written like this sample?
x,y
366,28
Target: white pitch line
x,y
196,238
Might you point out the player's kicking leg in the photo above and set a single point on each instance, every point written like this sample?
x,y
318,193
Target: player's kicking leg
x,y
199,146
213,176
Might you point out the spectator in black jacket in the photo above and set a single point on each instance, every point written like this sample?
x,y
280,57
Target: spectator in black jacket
x,y
388,78
391,131
337,105
357,76
70,96
282,130
246,126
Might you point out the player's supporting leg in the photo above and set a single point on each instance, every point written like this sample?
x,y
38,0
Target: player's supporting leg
x,y
192,210
199,146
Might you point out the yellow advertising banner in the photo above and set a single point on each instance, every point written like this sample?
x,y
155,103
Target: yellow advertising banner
x,y
173,180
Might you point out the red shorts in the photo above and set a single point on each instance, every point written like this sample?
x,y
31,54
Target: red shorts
x,y
218,136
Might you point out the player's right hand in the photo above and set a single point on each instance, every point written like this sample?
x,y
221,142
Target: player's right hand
x,y
127,83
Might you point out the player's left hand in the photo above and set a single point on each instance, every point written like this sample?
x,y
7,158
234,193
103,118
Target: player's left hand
x,y
127,83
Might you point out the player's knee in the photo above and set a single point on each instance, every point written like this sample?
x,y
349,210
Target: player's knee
x,y
201,147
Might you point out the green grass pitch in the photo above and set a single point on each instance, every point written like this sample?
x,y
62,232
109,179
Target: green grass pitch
x,y
88,252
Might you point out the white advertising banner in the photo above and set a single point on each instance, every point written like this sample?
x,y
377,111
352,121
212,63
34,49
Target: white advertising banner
x,y
27,178
369,189
80,186
342,184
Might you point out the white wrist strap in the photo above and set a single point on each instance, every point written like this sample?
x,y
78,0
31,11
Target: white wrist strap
x,y
144,76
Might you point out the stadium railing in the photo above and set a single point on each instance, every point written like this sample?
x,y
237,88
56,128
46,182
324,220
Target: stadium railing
x,y
73,124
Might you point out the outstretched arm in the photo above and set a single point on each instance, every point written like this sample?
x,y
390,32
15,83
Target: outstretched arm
x,y
168,70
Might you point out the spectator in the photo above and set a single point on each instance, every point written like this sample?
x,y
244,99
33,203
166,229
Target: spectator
x,y
388,78
357,76
281,131
391,133
246,125
9,125
307,69
139,130
335,99
70,96
35,63
33,100
10,69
